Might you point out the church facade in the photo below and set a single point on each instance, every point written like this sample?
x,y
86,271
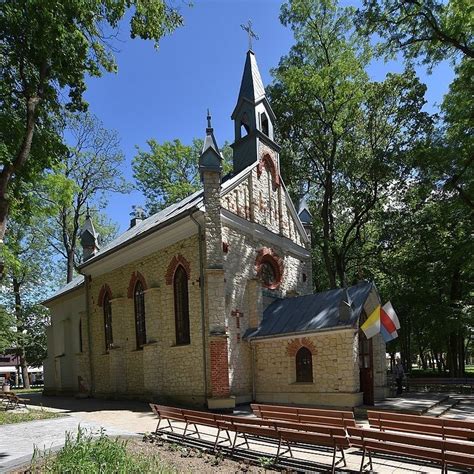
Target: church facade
x,y
209,301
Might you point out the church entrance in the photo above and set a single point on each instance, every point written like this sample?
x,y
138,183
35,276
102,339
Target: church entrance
x,y
366,368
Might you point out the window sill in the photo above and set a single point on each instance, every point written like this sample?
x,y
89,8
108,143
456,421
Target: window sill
x,y
184,344
302,383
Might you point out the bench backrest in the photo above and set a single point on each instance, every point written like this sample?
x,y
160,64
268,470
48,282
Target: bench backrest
x,y
452,452
443,427
305,415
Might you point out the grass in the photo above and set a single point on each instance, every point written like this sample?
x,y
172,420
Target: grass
x,y
7,417
27,390
86,454
417,372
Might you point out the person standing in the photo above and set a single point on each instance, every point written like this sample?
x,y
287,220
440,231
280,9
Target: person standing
x,y
398,374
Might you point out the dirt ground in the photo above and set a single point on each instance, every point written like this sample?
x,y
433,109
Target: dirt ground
x,y
191,460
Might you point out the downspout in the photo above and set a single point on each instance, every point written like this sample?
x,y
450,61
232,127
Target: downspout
x,y
89,337
252,369
203,308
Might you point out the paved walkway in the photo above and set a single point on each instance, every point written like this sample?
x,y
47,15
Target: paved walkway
x,y
133,418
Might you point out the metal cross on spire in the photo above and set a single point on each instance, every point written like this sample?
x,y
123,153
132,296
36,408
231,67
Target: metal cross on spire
x,y
250,32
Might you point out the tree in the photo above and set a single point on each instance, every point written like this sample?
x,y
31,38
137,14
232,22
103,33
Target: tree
x,y
47,50
90,171
169,172
345,136
431,30
29,278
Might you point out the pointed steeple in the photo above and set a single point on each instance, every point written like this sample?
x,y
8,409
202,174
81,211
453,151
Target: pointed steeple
x,y
89,238
253,117
303,211
211,158
251,87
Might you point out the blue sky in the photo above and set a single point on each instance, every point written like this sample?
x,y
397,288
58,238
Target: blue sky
x,y
164,93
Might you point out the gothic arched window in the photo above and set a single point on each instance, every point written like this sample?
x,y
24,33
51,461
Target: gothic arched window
x,y
140,327
181,305
304,365
107,309
264,122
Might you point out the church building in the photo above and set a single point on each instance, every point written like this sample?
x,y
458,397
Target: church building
x,y
209,302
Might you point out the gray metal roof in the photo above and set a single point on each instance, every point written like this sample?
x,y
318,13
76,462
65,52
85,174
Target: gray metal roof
x,y
74,284
311,313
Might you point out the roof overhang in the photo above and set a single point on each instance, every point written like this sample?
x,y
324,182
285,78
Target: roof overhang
x,y
292,335
163,235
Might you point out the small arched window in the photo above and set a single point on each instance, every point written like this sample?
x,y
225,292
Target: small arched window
x,y
304,365
181,306
107,309
140,327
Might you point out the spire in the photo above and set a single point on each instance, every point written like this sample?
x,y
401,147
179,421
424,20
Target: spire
x,y
89,238
303,211
210,159
251,87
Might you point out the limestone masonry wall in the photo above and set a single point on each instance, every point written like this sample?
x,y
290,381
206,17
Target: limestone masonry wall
x,y
161,367
335,370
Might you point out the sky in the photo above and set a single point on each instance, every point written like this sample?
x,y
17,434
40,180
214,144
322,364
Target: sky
x,y
164,94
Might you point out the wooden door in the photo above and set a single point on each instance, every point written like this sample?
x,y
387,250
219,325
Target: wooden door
x,y
366,369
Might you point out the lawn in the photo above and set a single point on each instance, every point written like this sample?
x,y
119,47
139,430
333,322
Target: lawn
x,y
15,416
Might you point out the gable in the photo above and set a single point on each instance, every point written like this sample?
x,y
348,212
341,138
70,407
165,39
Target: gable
x,y
260,196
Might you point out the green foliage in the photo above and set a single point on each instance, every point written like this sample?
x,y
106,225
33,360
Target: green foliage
x,y
346,137
430,30
7,336
85,453
48,49
169,172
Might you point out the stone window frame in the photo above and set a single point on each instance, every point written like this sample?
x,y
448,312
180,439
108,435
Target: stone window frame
x,y
269,256
304,365
181,306
140,314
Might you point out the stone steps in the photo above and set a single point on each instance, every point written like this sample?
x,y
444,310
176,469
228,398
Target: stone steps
x,y
441,408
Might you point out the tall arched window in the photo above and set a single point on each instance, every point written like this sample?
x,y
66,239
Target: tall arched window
x,y
181,306
140,327
107,309
304,365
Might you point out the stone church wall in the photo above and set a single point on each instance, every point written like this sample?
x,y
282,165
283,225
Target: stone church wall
x,y
245,302
379,350
161,367
335,370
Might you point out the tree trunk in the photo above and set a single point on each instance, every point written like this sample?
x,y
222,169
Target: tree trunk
x,y
70,266
9,170
20,327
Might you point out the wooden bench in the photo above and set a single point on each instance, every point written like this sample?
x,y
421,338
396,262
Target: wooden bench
x,y
440,451
282,431
315,416
13,401
426,425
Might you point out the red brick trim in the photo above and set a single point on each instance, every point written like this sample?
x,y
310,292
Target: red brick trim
x,y
219,368
269,163
268,255
105,289
173,265
296,344
136,276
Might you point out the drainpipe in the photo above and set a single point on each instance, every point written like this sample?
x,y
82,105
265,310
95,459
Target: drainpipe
x,y
252,368
89,337
203,309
